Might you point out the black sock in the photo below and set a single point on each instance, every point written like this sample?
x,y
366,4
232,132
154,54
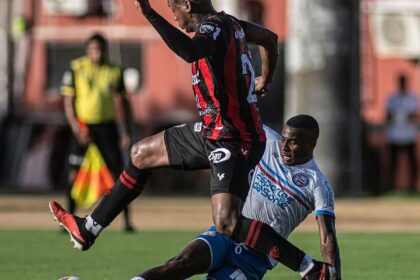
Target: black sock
x,y
262,238
128,186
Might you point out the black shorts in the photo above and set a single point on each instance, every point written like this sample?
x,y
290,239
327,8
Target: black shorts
x,y
106,138
230,161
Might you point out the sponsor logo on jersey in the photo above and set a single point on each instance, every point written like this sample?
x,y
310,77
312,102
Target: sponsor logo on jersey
x,y
209,29
196,79
216,33
219,155
208,111
301,180
206,28
329,195
240,34
271,191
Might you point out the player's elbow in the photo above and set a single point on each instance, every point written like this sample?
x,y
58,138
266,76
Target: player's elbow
x,y
188,55
273,41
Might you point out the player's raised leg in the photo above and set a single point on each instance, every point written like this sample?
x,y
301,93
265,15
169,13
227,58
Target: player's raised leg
x,y
146,154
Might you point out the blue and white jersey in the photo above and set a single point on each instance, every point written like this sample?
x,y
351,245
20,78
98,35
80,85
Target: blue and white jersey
x,y
283,196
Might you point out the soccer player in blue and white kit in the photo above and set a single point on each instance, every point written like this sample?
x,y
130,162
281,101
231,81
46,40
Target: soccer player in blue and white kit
x,y
286,186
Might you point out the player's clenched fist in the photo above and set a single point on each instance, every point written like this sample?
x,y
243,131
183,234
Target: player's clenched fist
x,y
143,6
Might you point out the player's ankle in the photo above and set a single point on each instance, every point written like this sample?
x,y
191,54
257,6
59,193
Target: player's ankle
x,y
306,265
92,226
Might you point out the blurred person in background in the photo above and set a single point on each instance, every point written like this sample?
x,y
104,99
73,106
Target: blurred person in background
x,y
286,186
401,113
95,108
231,139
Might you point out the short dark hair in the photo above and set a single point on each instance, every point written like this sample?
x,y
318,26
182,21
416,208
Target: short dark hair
x,y
197,6
306,122
198,2
98,38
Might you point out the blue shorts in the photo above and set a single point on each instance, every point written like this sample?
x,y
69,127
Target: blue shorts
x,y
230,260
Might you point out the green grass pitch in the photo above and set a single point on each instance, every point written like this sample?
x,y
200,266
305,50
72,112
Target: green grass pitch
x,y
47,255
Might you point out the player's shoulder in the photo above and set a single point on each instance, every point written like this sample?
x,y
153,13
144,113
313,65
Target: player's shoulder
x,y
271,134
313,168
79,62
210,27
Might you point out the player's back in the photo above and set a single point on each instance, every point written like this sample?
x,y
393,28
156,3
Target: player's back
x,y
223,82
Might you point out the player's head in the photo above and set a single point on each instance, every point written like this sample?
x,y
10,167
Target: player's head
x,y
185,11
298,139
96,48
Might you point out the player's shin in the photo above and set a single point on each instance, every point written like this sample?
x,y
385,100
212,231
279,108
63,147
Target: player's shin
x,y
262,238
128,186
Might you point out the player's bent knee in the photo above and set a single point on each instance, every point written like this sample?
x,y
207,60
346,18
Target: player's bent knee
x,y
137,154
150,152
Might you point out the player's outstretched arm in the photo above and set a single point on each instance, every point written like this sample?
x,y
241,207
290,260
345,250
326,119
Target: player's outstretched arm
x,y
329,245
188,49
267,40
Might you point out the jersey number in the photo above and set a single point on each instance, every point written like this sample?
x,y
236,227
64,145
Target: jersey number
x,y
247,68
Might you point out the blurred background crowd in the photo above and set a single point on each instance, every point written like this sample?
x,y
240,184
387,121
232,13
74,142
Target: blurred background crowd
x,y
340,61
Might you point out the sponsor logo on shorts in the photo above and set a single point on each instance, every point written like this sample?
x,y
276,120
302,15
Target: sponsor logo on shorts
x,y
219,155
301,180
238,249
209,233
221,176
198,126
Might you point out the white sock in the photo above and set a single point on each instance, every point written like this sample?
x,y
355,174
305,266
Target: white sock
x,y
306,265
137,278
93,226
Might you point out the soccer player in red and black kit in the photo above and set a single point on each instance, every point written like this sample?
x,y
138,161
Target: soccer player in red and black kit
x,y
232,140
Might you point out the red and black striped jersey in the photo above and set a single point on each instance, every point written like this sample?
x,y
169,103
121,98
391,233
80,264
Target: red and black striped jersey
x,y
223,83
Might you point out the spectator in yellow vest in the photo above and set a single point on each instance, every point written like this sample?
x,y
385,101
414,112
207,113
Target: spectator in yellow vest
x,y
94,96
